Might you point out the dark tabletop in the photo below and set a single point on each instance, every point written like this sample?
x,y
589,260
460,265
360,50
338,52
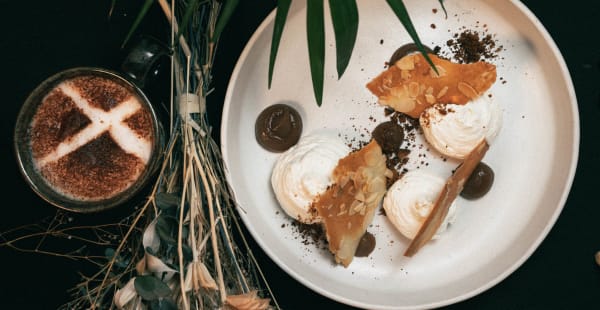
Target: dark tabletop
x,y
40,38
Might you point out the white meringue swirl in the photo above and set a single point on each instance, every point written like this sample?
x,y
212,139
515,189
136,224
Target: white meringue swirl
x,y
454,130
410,199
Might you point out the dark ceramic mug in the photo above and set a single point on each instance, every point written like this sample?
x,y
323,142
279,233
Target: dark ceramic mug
x,y
88,139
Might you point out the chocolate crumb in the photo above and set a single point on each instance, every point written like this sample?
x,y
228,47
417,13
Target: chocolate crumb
x,y
471,46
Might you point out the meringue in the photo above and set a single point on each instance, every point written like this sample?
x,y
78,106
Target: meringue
x,y
454,129
410,199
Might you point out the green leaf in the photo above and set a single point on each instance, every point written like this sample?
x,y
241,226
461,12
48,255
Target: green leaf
x,y
166,201
402,14
189,10
151,288
163,304
443,8
344,16
228,8
165,229
138,20
315,31
283,6
109,253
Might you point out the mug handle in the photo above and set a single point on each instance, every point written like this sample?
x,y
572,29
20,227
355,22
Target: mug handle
x,y
139,63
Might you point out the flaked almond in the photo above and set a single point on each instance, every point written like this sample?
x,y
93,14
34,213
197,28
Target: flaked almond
x,y
413,89
344,180
360,196
442,92
406,63
440,72
467,90
430,98
389,173
405,74
399,99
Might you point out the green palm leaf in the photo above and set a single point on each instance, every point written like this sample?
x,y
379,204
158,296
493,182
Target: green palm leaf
x,y
283,6
344,16
443,8
138,20
228,9
315,28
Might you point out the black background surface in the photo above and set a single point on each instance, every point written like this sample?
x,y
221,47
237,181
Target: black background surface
x,y
40,38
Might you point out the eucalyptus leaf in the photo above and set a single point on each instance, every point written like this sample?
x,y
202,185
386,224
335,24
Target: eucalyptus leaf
x,y
400,10
151,288
166,201
315,31
150,239
283,7
155,265
163,304
138,20
344,16
109,253
228,8
165,228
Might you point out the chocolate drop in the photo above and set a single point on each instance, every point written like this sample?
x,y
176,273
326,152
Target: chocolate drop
x,y
366,245
278,127
479,183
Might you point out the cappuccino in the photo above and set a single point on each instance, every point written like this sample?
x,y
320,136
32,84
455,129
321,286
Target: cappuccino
x,y
91,137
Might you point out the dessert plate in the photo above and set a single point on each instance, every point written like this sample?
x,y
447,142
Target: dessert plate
x,y
534,156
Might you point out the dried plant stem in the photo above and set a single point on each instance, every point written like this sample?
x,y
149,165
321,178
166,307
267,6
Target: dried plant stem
x,y
180,237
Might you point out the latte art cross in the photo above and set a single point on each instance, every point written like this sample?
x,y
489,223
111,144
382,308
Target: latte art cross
x,y
101,122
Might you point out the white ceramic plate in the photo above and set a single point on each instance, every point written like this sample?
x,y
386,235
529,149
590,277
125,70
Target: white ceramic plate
x,y
534,156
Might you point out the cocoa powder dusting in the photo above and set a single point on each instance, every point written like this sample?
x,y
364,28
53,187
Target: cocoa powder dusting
x,y
470,46
140,123
56,120
94,171
100,92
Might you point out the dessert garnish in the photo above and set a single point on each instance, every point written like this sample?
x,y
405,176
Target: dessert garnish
x,y
479,183
348,206
389,135
454,130
410,85
453,186
278,127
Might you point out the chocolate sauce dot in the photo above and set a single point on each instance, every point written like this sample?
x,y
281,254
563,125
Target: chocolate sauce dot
x,y
479,183
366,245
278,127
389,135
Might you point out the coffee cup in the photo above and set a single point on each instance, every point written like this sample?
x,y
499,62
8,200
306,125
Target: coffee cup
x,y
88,139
